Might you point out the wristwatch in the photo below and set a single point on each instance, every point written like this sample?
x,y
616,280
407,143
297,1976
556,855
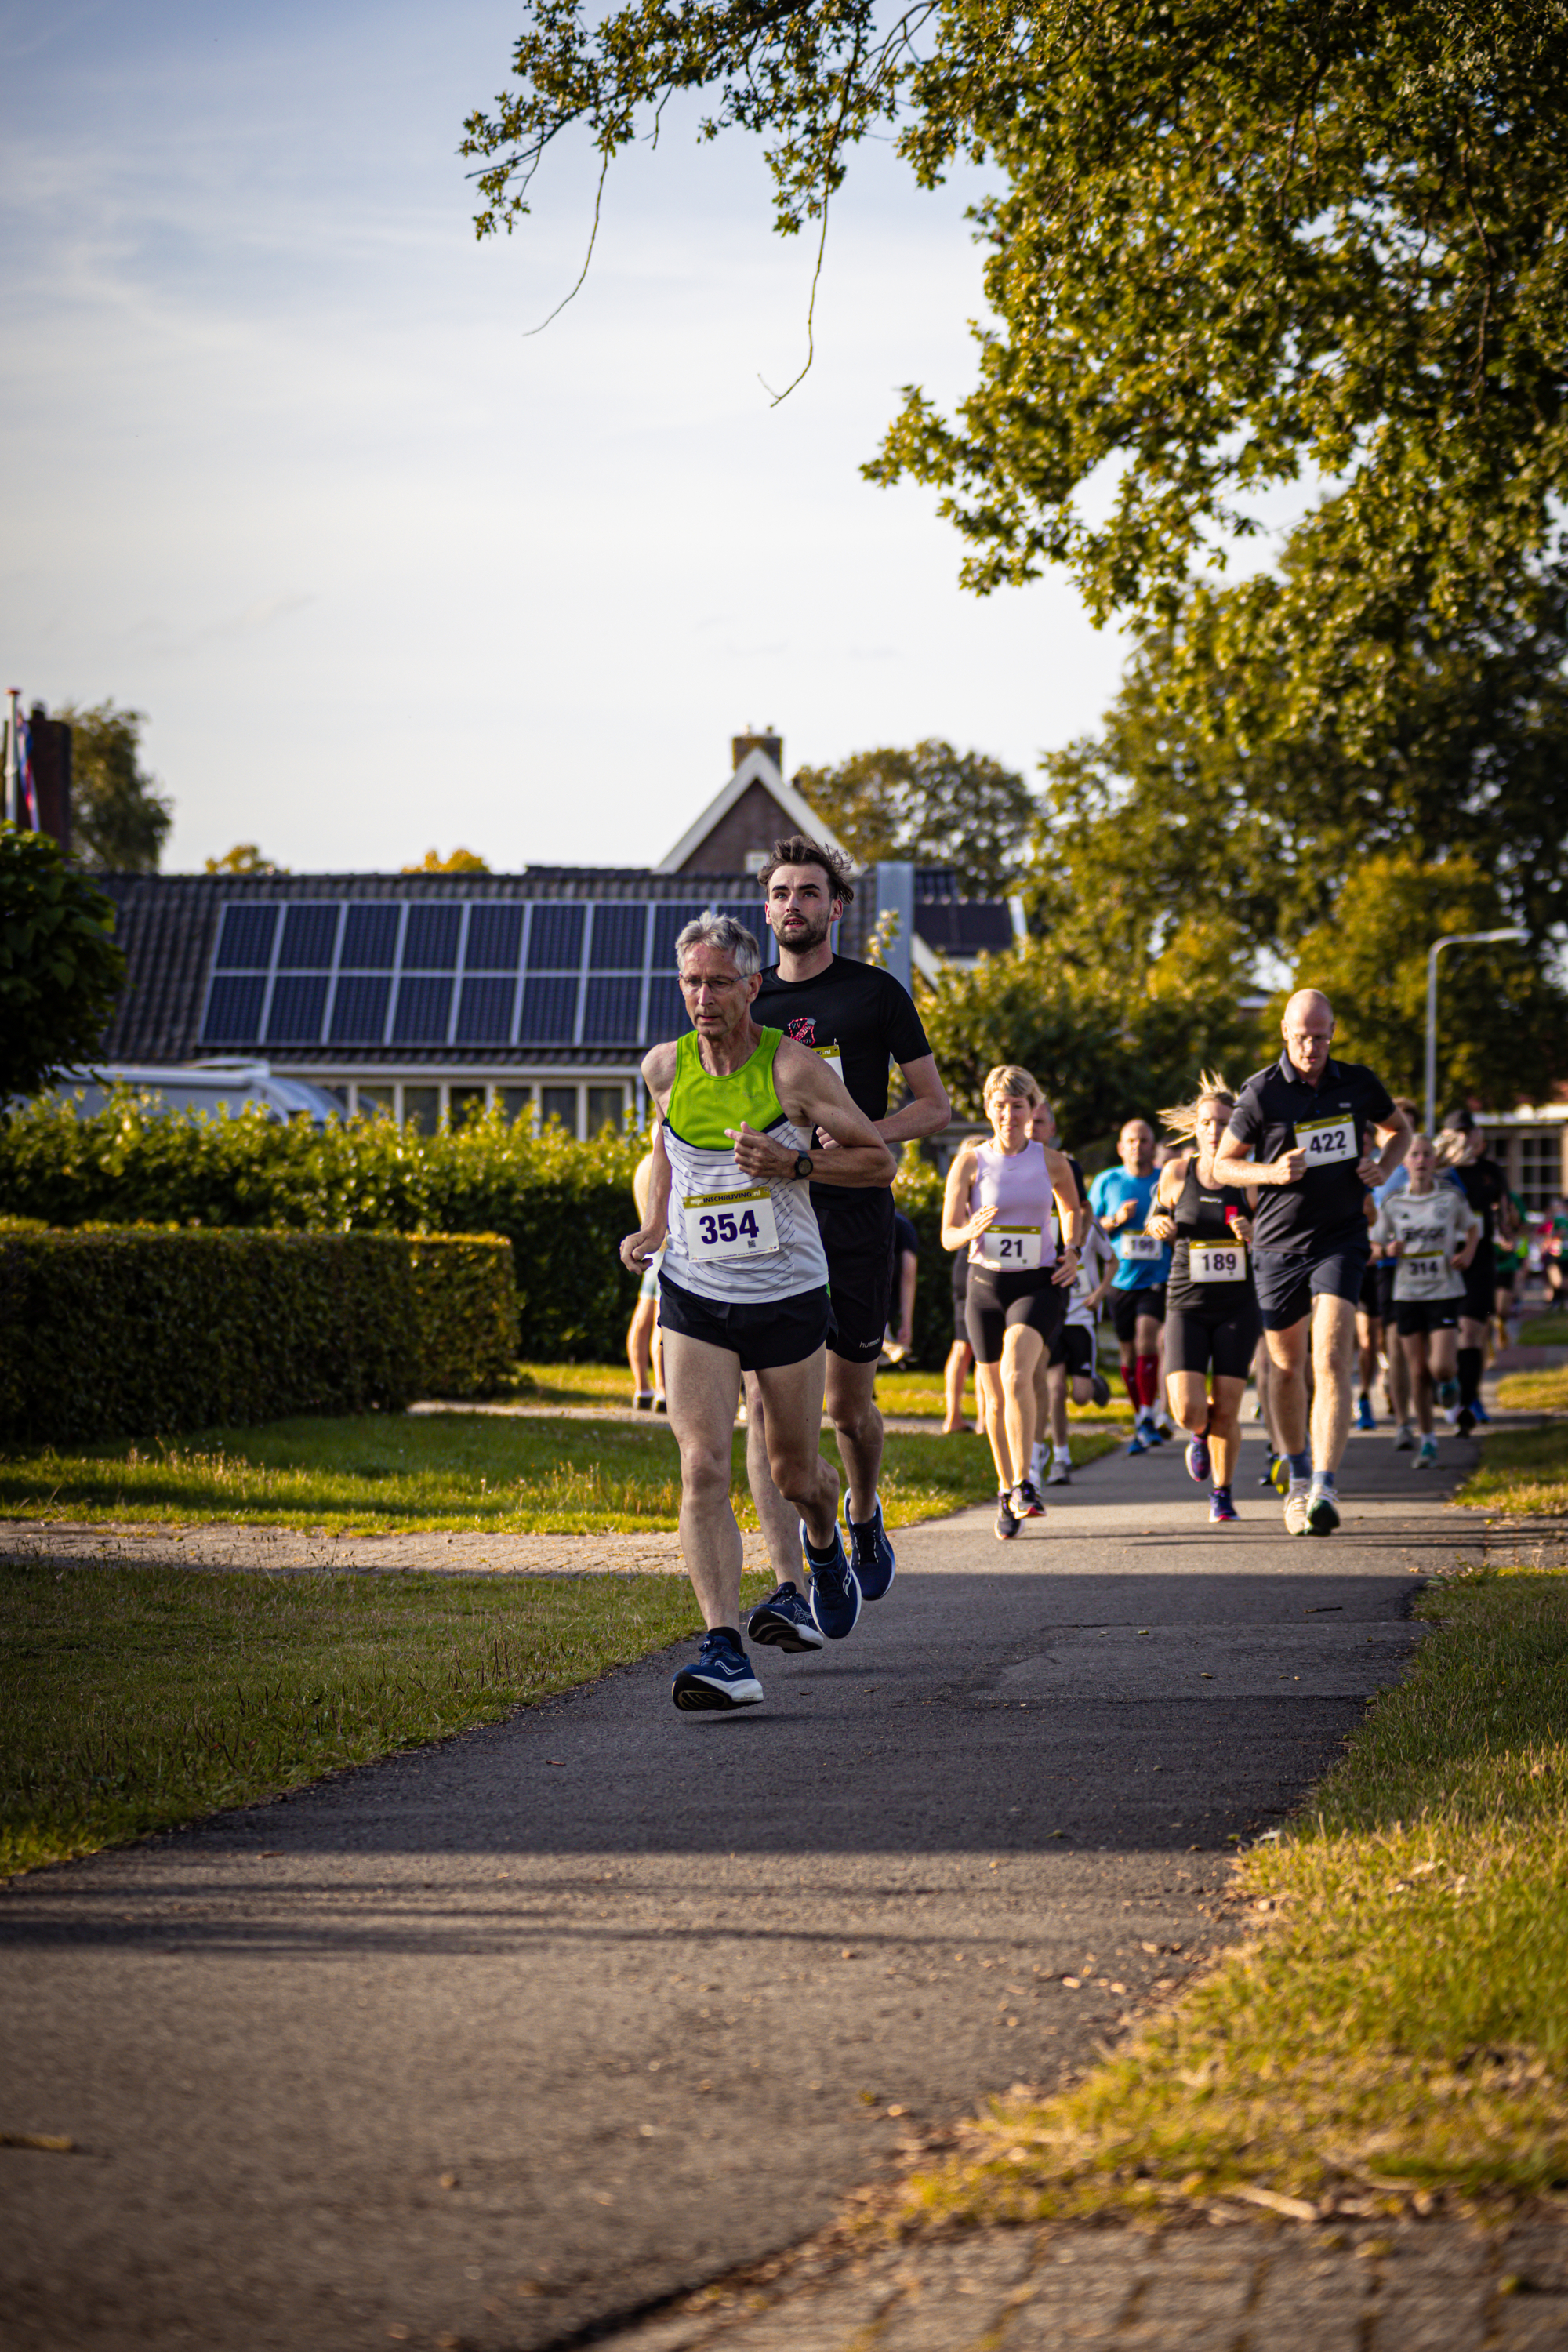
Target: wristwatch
x,y
803,1165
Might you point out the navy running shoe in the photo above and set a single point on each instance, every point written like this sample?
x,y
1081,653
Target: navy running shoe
x,y
1199,1466
721,1679
1100,1389
784,1621
1480,1412
1223,1512
871,1555
834,1590
1364,1414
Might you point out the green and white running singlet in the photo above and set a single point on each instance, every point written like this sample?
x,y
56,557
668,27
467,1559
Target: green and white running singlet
x,y
734,1238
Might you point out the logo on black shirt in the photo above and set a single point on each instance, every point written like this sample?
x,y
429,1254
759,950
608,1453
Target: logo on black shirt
x,y
802,1029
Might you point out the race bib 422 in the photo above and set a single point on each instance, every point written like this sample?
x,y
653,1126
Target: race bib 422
x,y
1325,1140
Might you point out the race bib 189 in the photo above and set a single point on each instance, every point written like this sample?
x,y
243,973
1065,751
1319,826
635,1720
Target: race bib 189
x,y
1325,1140
1139,1249
1011,1249
1216,1262
721,1225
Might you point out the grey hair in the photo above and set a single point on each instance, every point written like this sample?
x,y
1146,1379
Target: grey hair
x,y
723,933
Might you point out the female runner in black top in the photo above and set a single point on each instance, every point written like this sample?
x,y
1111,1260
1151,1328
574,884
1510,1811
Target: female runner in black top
x,y
1212,1322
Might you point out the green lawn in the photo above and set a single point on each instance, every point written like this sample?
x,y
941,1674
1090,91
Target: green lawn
x,y
386,1472
1549,1331
906,1395
1401,2021
1525,1470
134,1698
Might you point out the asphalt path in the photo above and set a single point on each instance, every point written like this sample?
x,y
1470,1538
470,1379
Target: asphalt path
x,y
500,2041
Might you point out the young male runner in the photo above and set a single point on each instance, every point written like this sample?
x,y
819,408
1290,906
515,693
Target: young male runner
x,y
1300,1131
744,1289
1430,1233
1120,1199
857,1018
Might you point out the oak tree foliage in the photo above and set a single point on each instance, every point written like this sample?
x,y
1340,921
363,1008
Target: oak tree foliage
x,y
120,820
933,805
60,971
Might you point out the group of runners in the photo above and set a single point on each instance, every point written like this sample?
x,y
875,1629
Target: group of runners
x,y
769,1217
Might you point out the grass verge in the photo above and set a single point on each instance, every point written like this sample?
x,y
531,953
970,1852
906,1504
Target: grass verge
x,y
1548,1330
1402,2021
907,1396
390,1473
134,1698
1525,1470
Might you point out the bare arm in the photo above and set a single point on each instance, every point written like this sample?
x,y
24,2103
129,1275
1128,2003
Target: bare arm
x,y
909,1272
813,1097
1161,1220
639,1247
1463,1256
1232,1165
927,1112
1069,1200
1396,1140
958,1227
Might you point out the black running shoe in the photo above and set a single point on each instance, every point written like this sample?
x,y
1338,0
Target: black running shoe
x,y
721,1679
1026,1503
1100,1389
784,1621
1006,1525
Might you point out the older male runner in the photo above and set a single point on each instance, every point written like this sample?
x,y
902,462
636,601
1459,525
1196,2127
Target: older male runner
x,y
1300,1131
743,1287
858,1019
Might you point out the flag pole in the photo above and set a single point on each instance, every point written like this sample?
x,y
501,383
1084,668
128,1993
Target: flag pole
x,y
12,786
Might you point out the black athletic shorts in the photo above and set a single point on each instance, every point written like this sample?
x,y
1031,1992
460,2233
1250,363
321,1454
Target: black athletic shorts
x,y
1074,1347
1385,1270
1426,1315
1480,1283
1370,1299
858,1236
1215,1335
1126,1305
1287,1281
761,1332
960,1293
996,1300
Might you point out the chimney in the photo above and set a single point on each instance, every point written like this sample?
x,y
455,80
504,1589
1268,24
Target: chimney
x,y
766,741
52,747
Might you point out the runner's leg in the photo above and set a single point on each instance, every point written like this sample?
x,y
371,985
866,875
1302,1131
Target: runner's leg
x,y
955,1372
1225,1426
1414,1348
704,1384
639,1344
1334,1352
1288,1384
1022,1348
988,1377
792,1413
1189,1396
858,1423
779,1520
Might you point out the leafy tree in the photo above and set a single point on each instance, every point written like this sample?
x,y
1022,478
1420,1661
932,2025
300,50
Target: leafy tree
x,y
1502,1020
461,861
1209,784
245,858
120,820
1227,250
934,805
1102,1047
60,970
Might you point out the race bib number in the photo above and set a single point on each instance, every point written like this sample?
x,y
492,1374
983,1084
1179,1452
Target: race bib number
x,y
1216,1261
721,1226
1326,1140
1011,1249
1139,1249
1083,1282
830,1055
1426,1273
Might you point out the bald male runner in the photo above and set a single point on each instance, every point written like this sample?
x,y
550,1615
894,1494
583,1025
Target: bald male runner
x,y
1301,1131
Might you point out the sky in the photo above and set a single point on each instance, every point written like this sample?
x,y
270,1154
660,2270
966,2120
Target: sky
x,y
286,469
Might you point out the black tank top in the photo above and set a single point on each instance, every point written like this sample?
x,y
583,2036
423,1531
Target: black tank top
x,y
1201,1216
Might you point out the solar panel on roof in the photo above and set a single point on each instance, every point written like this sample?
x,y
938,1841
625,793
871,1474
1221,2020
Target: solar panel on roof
x,y
234,1011
666,1010
484,1013
619,931
667,922
370,939
309,934
610,1011
549,1012
298,1004
246,943
430,940
359,1008
555,936
422,1006
495,934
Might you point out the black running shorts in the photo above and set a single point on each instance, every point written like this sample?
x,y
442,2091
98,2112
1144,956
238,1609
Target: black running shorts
x,y
1480,1283
994,1301
1370,1299
763,1332
1215,1336
1074,1347
1414,1315
857,1236
1126,1305
1287,1281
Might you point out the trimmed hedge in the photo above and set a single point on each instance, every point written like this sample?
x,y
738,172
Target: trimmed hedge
x,y
142,1332
563,1205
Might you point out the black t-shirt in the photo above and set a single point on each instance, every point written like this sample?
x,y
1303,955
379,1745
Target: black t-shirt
x,y
871,1019
1276,1110
1485,1187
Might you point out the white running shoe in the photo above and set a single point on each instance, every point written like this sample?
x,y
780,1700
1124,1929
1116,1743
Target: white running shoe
x,y
1296,1502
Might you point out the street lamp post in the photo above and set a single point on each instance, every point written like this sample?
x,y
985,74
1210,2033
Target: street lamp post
x,y
1450,940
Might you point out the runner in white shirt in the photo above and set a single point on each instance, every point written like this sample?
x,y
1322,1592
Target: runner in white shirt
x,y
1430,1231
1072,1351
